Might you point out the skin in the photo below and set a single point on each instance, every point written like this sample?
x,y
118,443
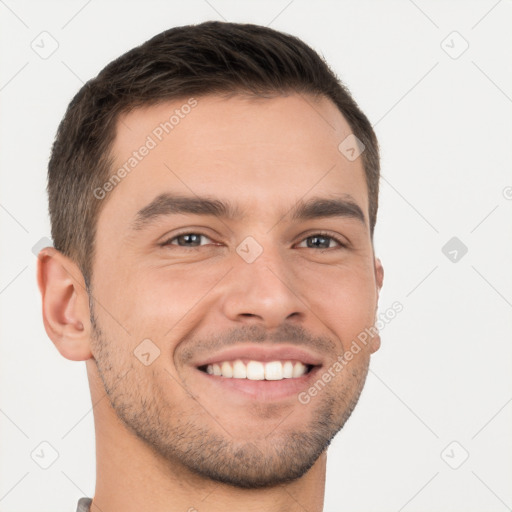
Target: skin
x,y
165,439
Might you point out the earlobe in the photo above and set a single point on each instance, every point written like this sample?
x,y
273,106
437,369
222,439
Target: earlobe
x,y
375,343
65,304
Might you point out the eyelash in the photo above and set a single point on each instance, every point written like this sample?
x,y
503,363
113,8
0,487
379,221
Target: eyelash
x,y
338,240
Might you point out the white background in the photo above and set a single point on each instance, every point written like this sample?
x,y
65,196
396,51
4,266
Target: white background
x,y
444,125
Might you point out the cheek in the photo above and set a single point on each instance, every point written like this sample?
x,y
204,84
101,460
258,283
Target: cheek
x,y
344,300
154,300
150,301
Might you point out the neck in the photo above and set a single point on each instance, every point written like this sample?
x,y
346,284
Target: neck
x,y
131,477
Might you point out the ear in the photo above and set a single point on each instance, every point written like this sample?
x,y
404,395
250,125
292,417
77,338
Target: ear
x,y
379,278
65,304
379,275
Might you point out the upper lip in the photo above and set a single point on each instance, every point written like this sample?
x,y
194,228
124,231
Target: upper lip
x,y
262,353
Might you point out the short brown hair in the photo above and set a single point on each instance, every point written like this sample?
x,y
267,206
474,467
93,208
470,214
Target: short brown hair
x,y
209,58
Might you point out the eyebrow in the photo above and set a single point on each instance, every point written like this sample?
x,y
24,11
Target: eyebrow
x,y
172,204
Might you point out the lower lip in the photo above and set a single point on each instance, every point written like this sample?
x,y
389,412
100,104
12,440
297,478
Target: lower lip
x,y
263,390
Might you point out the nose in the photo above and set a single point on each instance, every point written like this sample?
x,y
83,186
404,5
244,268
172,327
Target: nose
x,y
263,292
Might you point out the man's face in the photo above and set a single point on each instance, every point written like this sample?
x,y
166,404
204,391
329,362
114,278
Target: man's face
x,y
274,282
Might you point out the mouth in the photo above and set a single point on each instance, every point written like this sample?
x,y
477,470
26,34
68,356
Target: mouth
x,y
255,370
265,373
237,381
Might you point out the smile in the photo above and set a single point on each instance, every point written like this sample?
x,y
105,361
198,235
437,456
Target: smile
x,y
257,370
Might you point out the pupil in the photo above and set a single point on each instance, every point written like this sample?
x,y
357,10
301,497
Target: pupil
x,y
194,239
315,240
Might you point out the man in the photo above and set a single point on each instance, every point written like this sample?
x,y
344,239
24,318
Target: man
x,y
213,195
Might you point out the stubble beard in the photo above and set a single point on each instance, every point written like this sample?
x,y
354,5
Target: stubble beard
x,y
283,456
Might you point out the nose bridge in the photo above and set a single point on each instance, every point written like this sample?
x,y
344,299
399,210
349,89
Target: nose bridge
x,y
261,286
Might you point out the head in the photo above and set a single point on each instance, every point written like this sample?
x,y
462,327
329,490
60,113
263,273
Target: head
x,y
214,190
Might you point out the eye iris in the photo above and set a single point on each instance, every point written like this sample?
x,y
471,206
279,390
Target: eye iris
x,y
324,241
189,239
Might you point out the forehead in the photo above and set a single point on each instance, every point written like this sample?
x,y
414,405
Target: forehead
x,y
261,153
215,122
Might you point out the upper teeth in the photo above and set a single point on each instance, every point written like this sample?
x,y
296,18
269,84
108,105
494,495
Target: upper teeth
x,y
256,370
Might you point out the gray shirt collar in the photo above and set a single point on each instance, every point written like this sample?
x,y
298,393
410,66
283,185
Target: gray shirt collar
x,y
84,505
